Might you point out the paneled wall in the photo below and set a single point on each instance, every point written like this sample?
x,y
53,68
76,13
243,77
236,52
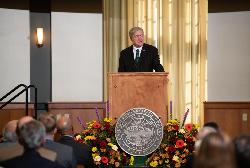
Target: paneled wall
x,y
77,111
232,117
13,111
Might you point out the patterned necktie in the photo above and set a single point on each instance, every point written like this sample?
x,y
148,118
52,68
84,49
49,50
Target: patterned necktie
x,y
137,56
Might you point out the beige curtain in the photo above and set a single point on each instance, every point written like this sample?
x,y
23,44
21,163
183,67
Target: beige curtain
x,y
178,28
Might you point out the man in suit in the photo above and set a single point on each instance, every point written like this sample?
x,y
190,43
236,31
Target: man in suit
x,y
31,137
82,151
139,57
65,154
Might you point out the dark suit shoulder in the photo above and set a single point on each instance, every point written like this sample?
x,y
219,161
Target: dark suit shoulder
x,y
128,49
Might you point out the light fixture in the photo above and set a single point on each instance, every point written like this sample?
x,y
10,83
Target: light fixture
x,y
39,35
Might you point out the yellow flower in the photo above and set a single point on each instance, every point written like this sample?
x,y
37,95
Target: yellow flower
x,y
196,126
114,147
176,158
94,149
97,158
108,139
107,119
90,124
89,138
131,161
154,164
172,121
110,144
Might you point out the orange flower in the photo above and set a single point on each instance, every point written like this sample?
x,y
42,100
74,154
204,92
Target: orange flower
x,y
189,127
180,143
104,159
96,125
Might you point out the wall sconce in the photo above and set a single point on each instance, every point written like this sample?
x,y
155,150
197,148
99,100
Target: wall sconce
x,y
39,35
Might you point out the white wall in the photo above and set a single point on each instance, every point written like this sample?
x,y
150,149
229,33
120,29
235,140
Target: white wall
x,y
14,50
229,56
77,70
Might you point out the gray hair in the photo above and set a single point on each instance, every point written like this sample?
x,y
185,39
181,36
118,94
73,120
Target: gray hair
x,y
49,121
32,134
9,131
133,30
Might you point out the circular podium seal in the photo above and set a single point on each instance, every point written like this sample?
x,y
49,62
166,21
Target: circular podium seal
x,y
139,132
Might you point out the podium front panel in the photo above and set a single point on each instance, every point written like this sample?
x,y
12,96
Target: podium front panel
x,y
138,90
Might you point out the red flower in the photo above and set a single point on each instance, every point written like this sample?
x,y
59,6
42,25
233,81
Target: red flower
x,y
171,149
189,127
176,127
107,126
103,144
179,143
189,139
104,159
96,125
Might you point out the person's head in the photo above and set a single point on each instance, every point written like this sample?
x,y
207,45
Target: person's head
x,y
64,125
212,125
23,120
49,121
136,35
9,131
31,134
216,151
242,150
203,132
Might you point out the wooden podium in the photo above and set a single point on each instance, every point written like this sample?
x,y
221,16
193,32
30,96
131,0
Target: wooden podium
x,y
138,90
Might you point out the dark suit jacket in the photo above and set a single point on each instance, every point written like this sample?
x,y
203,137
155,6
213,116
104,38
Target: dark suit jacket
x,y
82,152
149,60
65,154
30,159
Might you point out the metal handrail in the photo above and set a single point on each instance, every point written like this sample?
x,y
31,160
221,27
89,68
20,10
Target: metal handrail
x,y
18,94
12,90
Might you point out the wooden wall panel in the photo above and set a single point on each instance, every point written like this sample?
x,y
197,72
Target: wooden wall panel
x,y
232,117
86,111
13,111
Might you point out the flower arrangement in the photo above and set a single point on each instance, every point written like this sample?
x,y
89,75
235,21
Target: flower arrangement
x,y
176,147
105,151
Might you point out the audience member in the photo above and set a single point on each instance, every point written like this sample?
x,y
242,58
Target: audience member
x,y
203,132
11,148
31,137
9,132
242,150
216,151
65,154
82,151
212,124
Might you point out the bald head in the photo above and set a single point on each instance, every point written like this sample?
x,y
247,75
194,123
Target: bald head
x,y
64,124
9,131
24,120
